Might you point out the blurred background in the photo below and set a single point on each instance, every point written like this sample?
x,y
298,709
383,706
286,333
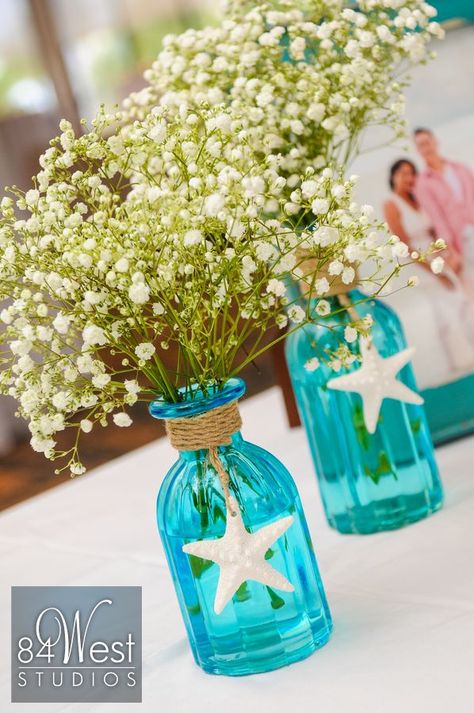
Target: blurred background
x,y
60,58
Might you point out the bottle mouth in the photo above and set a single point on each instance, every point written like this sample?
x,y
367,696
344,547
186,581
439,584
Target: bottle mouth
x,y
195,401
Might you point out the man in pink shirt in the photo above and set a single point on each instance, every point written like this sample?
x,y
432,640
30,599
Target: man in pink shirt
x,y
445,191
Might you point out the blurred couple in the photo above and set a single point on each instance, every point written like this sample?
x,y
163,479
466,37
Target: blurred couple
x,y
438,202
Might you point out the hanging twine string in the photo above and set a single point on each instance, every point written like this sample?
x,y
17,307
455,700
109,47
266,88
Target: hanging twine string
x,y
207,431
344,301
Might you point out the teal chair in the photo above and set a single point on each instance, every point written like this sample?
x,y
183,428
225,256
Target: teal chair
x,y
454,10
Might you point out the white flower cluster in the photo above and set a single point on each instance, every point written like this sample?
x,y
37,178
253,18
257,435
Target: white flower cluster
x,y
156,246
307,77
164,234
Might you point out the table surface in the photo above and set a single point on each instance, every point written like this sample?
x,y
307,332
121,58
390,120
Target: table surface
x,y
402,602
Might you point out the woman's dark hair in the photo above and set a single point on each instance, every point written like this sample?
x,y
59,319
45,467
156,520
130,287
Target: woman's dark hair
x,y
396,166
422,130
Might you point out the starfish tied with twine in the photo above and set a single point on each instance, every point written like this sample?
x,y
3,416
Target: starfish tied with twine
x,y
375,380
240,554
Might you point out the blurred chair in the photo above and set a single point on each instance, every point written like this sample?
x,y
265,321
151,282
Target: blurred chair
x,y
23,138
284,382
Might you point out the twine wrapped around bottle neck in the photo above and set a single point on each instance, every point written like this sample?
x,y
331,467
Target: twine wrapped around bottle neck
x,y
337,288
207,431
344,301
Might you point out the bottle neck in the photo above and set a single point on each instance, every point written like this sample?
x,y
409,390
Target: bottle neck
x,y
202,454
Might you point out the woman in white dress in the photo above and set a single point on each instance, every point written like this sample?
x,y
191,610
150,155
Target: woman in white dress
x,y
453,310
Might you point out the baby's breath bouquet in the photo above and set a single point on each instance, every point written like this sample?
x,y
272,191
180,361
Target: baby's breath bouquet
x,y
308,77
153,257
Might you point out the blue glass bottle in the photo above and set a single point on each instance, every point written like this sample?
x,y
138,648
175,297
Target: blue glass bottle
x,y
261,628
368,482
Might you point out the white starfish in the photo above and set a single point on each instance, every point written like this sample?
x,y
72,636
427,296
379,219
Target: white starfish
x,y
241,555
376,380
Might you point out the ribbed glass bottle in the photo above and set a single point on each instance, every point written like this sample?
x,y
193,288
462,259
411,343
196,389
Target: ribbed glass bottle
x,y
261,628
368,482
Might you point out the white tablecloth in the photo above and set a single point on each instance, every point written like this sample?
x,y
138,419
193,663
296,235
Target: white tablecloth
x,y
402,602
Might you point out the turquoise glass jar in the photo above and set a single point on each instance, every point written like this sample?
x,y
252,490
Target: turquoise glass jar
x,y
368,482
261,628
